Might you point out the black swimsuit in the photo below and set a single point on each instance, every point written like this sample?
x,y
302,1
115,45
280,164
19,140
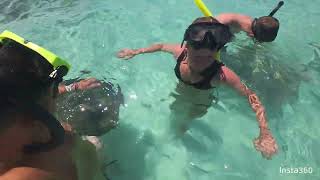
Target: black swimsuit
x,y
207,73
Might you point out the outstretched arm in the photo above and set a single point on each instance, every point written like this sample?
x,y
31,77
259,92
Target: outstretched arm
x,y
80,85
265,143
237,22
173,49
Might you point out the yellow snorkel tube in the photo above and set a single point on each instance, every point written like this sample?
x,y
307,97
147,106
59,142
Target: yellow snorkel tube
x,y
203,8
206,12
53,59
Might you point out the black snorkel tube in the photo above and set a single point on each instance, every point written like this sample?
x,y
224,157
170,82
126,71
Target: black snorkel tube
x,y
276,8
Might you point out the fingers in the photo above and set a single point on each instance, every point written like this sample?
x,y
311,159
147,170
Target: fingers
x,y
257,145
91,80
121,53
88,84
267,148
125,54
94,85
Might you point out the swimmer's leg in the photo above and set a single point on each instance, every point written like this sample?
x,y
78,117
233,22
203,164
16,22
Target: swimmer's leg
x,y
182,115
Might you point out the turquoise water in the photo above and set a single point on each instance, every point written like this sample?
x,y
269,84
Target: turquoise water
x,y
217,145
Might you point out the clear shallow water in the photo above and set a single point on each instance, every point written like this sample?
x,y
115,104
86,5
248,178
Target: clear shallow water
x,y
219,145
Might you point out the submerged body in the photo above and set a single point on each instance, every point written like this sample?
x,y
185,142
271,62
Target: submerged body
x,y
197,69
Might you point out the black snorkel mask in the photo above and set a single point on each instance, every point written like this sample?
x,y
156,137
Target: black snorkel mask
x,y
206,35
254,22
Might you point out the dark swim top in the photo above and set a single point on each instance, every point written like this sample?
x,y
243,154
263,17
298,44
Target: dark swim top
x,y
208,73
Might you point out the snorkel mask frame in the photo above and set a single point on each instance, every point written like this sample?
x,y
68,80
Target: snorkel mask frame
x,y
207,40
60,66
60,69
254,22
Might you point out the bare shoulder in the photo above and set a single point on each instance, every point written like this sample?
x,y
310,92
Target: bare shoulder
x,y
28,173
229,18
175,49
228,73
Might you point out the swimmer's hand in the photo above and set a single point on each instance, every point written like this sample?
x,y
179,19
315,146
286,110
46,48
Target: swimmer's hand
x,y
87,84
81,85
127,53
266,144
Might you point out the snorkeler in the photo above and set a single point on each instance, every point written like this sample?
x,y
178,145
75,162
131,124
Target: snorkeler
x,y
262,29
33,144
199,73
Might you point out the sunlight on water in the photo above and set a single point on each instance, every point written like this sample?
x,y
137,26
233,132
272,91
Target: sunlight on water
x,y
285,74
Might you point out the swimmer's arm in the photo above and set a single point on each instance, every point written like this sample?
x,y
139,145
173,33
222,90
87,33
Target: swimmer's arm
x,y
231,79
81,85
239,21
173,49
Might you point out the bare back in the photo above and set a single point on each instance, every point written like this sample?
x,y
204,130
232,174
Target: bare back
x,y
76,159
55,164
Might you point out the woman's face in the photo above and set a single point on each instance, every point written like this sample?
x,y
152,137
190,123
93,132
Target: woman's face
x,y
200,59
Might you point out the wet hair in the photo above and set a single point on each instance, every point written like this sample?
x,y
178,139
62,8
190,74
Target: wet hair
x,y
265,29
24,77
205,20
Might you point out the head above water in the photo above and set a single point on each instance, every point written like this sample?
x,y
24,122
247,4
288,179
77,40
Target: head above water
x,y
207,33
29,85
265,28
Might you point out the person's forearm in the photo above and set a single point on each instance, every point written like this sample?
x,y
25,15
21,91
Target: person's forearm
x,y
150,49
257,107
229,77
237,22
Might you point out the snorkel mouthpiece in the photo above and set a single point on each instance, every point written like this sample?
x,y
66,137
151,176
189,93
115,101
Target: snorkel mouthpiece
x,y
52,58
276,8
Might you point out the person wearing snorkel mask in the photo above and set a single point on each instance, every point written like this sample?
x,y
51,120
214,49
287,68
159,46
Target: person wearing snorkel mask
x,y
262,29
199,72
33,144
